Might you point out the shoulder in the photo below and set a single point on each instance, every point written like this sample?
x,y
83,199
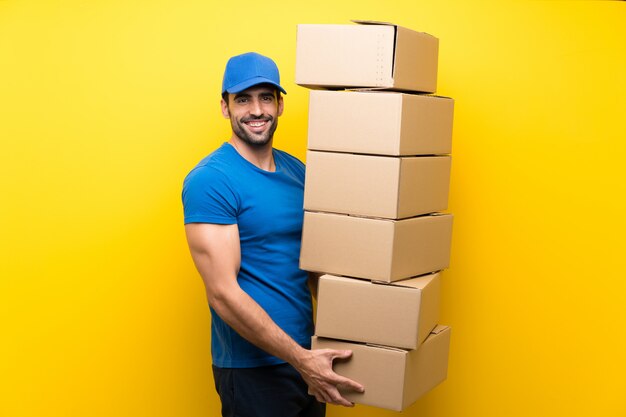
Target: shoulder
x,y
288,160
217,164
209,195
212,172
204,173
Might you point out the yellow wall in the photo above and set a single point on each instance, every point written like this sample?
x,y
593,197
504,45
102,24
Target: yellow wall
x,y
105,105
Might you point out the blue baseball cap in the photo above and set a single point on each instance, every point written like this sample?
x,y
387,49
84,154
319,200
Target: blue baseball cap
x,y
249,69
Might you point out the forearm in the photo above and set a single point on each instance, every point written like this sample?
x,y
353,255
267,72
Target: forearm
x,y
253,323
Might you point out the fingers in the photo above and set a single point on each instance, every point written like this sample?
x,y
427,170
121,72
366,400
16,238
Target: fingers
x,y
350,385
322,396
343,382
328,393
333,396
341,354
324,383
339,400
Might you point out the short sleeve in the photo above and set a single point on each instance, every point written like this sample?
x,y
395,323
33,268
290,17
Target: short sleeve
x,y
208,197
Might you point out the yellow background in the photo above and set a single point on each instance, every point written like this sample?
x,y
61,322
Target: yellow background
x,y
106,105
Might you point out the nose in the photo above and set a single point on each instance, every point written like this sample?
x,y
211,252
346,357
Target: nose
x,y
255,108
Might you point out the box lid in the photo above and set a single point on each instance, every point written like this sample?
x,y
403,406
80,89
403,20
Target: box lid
x,y
439,328
378,22
420,282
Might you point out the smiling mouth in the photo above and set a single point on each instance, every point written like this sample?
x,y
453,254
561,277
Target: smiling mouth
x,y
257,125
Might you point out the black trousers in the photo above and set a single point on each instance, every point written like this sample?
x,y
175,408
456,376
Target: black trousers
x,y
267,391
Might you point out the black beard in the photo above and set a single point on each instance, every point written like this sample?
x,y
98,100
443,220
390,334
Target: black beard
x,y
252,139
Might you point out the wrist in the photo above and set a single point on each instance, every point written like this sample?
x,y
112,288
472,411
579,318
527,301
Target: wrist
x,y
298,356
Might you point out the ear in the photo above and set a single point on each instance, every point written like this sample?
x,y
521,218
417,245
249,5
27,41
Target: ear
x,y
280,106
225,111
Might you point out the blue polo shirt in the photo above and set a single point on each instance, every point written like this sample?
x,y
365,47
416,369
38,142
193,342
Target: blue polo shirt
x,y
224,188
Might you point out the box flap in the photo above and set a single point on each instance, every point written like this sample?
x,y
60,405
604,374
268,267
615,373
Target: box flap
x,y
415,58
359,216
418,282
378,90
371,22
343,278
439,328
391,348
381,23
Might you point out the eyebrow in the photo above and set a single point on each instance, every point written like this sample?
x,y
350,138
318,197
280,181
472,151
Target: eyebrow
x,y
261,94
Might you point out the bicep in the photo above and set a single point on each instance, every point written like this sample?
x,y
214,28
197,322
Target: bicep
x,y
216,253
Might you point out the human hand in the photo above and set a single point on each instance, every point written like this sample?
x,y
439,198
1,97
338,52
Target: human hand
x,y
316,369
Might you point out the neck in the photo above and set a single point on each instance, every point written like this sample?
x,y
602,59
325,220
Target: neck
x,y
259,156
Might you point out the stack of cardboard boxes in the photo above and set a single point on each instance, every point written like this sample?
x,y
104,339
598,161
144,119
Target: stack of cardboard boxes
x,y
378,174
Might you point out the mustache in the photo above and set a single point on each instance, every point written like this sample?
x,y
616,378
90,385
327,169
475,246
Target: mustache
x,y
263,118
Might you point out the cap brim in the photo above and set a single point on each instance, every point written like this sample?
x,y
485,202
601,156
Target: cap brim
x,y
238,88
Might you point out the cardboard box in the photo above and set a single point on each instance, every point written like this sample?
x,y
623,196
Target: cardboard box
x,y
400,314
393,378
380,123
368,54
377,249
376,186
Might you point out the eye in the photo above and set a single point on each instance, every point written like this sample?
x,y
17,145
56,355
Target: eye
x,y
267,99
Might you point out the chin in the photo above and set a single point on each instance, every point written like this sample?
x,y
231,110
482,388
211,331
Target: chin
x,y
251,139
258,143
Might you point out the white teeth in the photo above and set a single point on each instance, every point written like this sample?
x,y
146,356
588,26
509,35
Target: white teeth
x,y
256,124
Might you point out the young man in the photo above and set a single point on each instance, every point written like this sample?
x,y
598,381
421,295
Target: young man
x,y
243,220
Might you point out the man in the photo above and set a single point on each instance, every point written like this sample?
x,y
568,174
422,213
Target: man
x,y
243,220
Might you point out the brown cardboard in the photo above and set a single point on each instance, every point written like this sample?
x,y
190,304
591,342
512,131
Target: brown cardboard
x,y
393,378
369,54
377,249
400,314
380,123
376,186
